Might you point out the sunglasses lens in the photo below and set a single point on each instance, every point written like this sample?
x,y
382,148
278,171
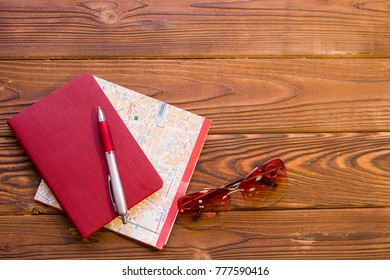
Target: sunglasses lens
x,y
265,184
202,210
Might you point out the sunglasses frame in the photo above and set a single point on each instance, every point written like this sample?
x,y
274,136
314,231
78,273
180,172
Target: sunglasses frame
x,y
196,201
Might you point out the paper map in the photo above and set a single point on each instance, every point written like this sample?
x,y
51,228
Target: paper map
x,y
172,139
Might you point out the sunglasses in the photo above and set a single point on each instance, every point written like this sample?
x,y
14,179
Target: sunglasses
x,y
261,187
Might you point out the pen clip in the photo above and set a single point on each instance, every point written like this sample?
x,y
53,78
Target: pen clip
x,y
111,194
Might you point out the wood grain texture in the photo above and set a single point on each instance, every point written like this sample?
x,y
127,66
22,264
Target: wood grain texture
x,y
193,28
340,170
305,81
324,170
240,96
289,234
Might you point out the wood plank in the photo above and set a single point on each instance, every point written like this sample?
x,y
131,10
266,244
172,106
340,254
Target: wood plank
x,y
297,234
325,170
188,28
239,96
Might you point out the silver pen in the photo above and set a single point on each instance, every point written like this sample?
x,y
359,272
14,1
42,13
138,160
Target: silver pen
x,y
114,181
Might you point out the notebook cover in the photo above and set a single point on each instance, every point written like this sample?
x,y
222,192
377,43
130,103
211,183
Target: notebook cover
x,y
60,135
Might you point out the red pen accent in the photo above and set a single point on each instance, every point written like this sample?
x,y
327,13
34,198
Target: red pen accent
x,y
105,136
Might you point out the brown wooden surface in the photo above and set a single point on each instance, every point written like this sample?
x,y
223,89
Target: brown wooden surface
x,y
195,28
305,81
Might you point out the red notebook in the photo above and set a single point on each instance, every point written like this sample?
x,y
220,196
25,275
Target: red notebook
x,y
60,135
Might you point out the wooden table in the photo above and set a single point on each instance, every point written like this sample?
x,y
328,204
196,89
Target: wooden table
x,y
304,81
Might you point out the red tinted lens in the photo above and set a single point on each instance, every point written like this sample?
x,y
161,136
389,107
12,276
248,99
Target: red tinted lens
x,y
265,184
204,209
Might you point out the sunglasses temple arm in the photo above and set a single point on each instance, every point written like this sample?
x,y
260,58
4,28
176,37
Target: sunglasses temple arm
x,y
232,183
201,207
196,217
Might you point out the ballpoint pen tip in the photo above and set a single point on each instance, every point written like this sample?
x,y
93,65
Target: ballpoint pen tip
x,y
101,116
124,219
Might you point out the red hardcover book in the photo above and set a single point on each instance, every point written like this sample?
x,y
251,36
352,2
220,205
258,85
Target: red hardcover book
x,y
60,134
